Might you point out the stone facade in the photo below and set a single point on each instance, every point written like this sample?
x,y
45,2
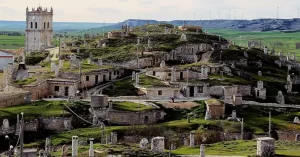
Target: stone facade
x,y
265,147
158,144
55,124
216,109
178,74
161,92
39,29
188,52
62,87
130,118
6,58
14,98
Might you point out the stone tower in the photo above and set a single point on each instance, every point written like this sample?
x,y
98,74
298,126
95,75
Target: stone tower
x,y
39,30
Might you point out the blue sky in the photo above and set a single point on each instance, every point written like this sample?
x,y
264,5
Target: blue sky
x,y
120,10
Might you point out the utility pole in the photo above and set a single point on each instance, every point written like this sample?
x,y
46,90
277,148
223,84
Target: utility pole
x,y
194,16
242,16
219,16
229,14
59,48
234,15
270,124
22,135
277,13
242,129
298,13
209,15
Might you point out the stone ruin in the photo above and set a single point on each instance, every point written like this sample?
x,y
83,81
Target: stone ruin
x,y
64,150
297,138
162,64
149,43
55,68
5,125
183,37
192,139
91,150
7,75
296,120
144,143
158,144
265,50
265,147
75,146
137,79
114,138
74,62
133,76
233,116
289,84
259,73
260,91
207,115
280,98
202,150
173,75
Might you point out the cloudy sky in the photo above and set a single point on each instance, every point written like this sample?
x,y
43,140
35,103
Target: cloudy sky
x,y
120,10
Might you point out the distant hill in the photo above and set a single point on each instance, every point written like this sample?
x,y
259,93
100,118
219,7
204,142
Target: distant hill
x,y
243,25
57,26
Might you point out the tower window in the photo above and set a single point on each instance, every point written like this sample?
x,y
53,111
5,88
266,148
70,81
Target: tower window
x,y
44,25
35,25
48,25
31,25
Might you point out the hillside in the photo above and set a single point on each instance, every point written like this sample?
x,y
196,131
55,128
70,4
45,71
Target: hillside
x,y
243,25
58,26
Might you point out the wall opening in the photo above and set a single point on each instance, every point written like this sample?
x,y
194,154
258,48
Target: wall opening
x,y
36,25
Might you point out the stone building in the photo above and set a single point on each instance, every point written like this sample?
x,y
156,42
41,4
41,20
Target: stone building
x,y
114,34
6,58
176,74
39,29
130,117
190,28
68,83
161,92
14,98
215,108
260,91
189,53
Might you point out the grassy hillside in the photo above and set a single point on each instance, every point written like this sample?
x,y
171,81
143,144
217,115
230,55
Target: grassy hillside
x,y
11,42
267,38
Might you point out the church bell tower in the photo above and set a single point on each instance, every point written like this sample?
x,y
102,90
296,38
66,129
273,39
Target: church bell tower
x,y
39,30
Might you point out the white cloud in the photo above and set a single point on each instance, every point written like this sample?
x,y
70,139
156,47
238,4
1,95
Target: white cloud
x,y
119,10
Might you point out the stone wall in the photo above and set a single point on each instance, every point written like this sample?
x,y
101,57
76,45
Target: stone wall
x,y
13,98
55,124
215,91
38,91
62,88
143,62
130,118
162,93
94,78
187,52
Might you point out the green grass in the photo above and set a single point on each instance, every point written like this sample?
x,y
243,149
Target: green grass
x,y
240,148
121,88
11,42
34,110
131,106
26,81
150,82
267,38
83,133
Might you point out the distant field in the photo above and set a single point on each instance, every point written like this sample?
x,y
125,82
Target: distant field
x,y
268,38
11,42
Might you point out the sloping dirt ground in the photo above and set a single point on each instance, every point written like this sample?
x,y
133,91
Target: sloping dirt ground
x,y
181,105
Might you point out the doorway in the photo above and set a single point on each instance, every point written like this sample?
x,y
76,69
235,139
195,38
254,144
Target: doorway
x,y
109,76
181,75
104,78
66,91
192,91
96,79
